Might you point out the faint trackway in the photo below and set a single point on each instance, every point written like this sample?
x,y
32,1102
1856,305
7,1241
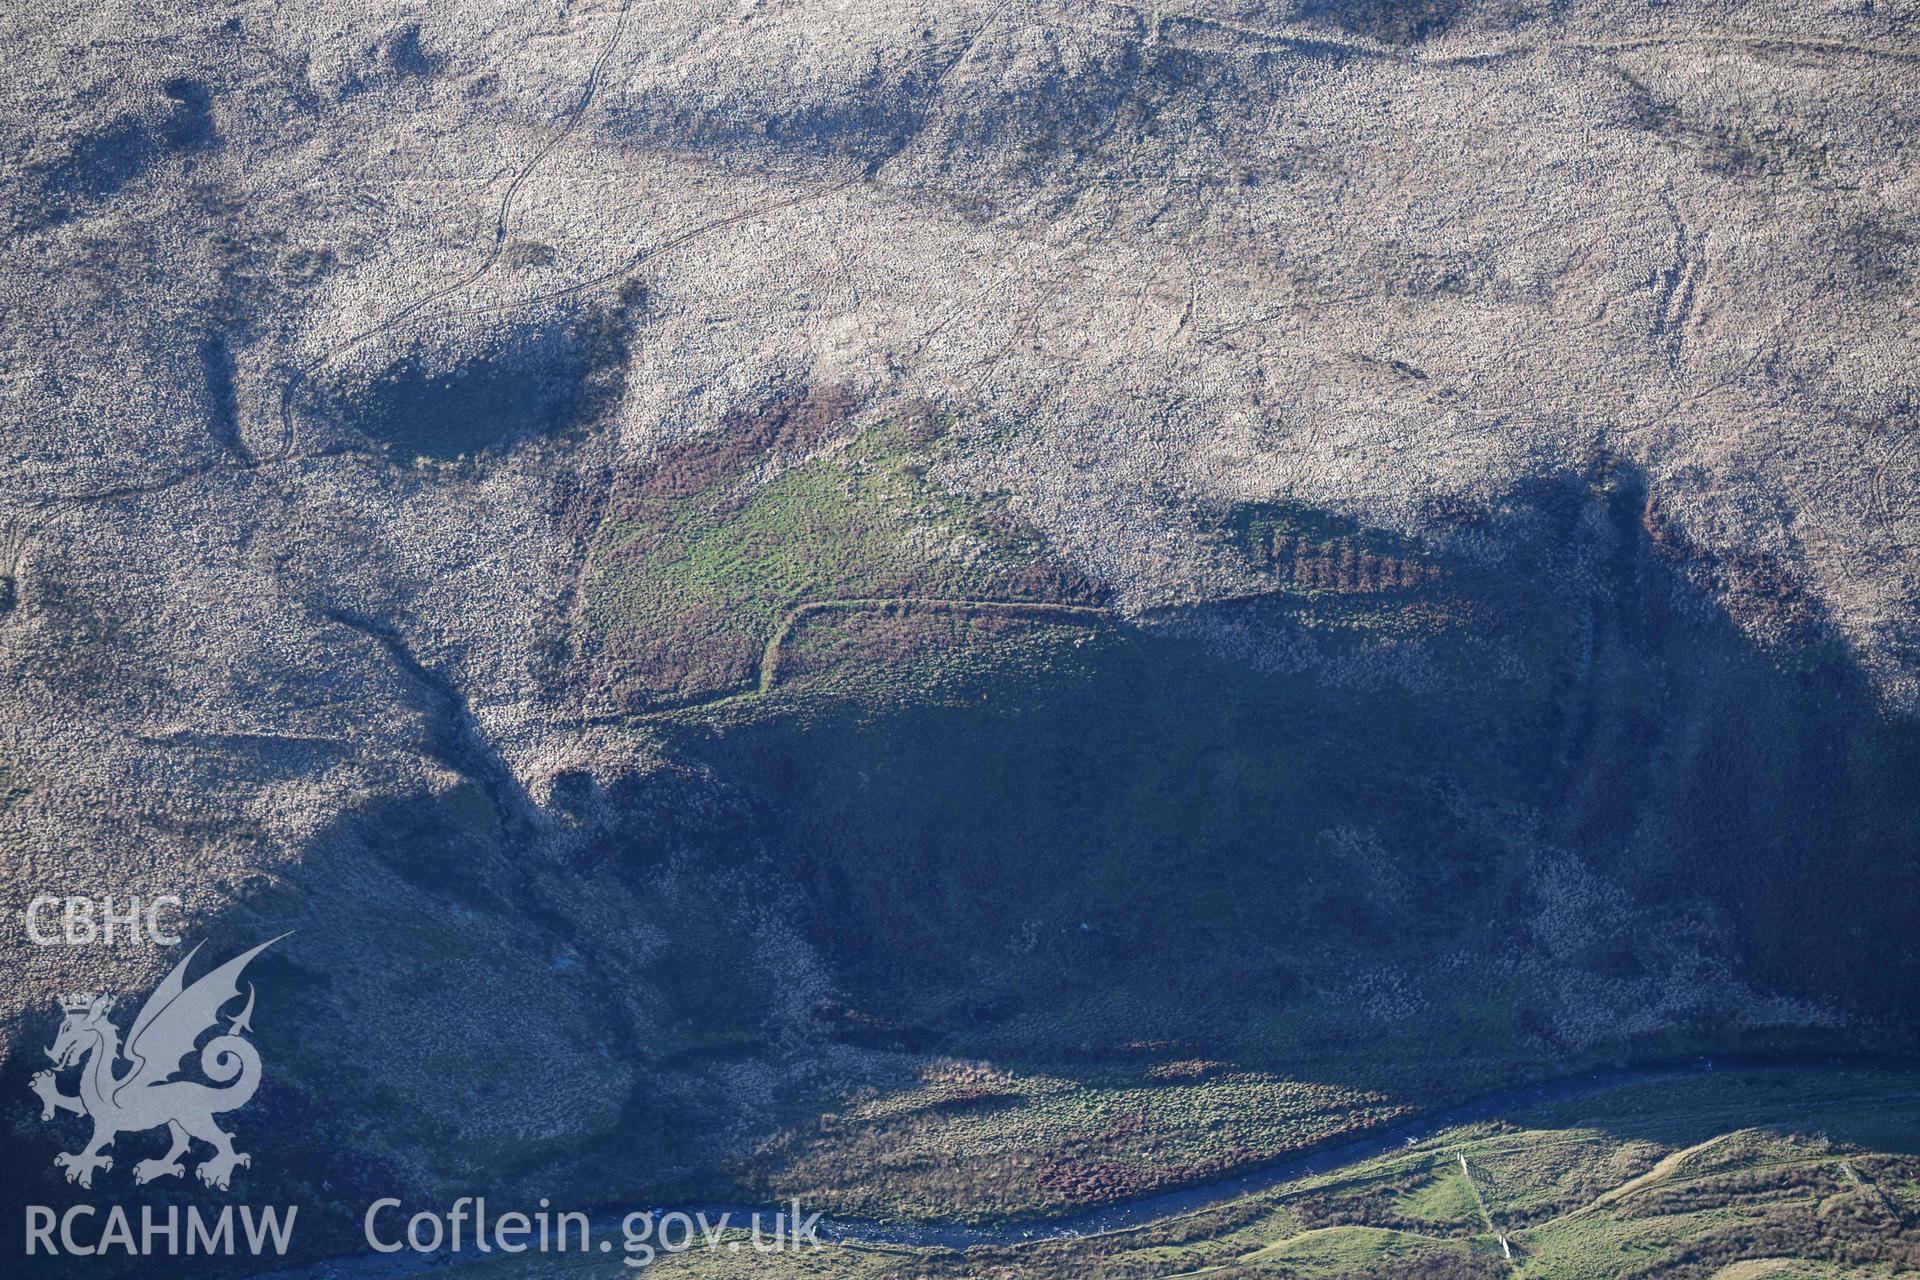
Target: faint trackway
x,y
1486,1216
418,309
501,223
767,671
1322,44
1672,1169
421,310
1875,1194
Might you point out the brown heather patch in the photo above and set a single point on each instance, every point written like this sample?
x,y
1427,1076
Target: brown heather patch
x,y
1665,534
574,505
700,653
787,427
1049,581
1342,565
1758,592
1092,1179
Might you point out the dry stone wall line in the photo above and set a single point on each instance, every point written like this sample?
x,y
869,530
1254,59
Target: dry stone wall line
x,y
767,672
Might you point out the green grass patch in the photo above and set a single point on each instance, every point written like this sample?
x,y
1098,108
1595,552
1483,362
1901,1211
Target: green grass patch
x,y
700,562
1340,1251
1444,1198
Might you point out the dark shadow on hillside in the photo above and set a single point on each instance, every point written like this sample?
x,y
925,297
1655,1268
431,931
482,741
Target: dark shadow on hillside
x,y
99,163
1397,22
1176,847
1122,105
1421,819
1388,826
441,401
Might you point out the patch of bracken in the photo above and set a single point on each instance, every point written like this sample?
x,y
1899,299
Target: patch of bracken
x,y
1312,551
782,429
1757,591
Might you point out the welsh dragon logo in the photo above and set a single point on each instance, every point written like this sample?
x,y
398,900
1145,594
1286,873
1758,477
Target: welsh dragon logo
x,y
146,1095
